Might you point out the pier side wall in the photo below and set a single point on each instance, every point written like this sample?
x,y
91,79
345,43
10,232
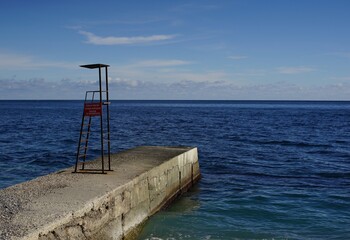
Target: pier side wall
x,y
119,211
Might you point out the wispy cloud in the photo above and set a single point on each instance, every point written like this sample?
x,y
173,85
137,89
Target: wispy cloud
x,y
237,57
208,76
160,63
29,62
73,27
127,21
40,88
124,88
111,40
195,7
340,54
295,70
251,73
166,71
341,78
125,83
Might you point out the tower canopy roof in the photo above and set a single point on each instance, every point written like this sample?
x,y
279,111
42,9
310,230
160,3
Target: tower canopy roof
x,y
96,65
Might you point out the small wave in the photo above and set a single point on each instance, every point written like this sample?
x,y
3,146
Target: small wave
x,y
45,162
267,175
334,175
341,142
322,152
69,141
5,158
293,143
5,141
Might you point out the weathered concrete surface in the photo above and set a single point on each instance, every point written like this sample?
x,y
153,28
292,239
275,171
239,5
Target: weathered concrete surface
x,y
63,205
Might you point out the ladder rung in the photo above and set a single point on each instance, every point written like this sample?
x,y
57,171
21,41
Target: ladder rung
x,y
83,155
84,140
106,103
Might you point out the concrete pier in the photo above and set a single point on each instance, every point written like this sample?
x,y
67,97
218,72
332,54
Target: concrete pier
x,y
64,205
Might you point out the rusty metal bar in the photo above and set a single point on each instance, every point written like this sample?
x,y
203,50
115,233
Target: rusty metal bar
x,y
108,126
101,121
88,131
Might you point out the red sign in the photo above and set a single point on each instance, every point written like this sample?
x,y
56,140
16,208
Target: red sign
x,y
92,109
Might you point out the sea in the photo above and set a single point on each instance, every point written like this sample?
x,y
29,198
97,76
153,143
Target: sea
x,y
270,169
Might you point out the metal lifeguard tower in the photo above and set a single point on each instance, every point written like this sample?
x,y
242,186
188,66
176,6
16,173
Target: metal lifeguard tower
x,y
96,104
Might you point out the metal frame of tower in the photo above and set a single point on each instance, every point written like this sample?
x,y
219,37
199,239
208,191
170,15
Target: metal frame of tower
x,y
95,108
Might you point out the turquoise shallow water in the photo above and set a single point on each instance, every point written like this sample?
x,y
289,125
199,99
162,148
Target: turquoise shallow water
x,y
270,170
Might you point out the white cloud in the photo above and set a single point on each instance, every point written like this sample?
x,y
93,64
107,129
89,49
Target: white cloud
x,y
97,40
237,57
295,70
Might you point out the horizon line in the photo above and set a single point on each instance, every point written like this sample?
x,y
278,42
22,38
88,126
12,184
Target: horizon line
x,y
198,100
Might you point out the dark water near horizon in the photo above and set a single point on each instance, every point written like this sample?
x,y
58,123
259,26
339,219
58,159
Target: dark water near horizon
x,y
271,170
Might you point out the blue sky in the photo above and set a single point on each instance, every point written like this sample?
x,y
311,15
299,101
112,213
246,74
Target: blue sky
x,y
234,49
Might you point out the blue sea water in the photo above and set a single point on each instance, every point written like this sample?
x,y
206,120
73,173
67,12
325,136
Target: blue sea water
x,y
270,170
